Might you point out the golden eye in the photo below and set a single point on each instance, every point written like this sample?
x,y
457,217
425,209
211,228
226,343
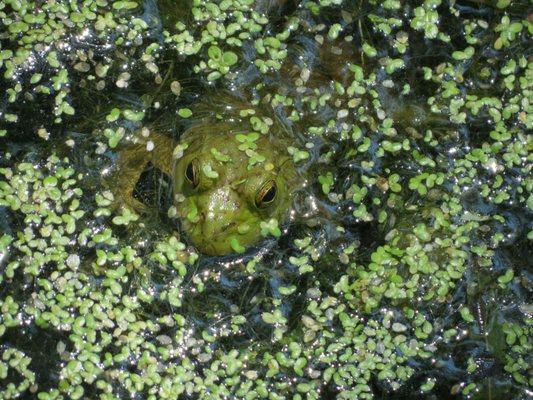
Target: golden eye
x,y
191,173
266,195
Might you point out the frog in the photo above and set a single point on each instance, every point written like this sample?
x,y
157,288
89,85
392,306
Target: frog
x,y
226,181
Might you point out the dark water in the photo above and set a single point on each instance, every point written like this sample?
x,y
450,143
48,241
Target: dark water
x,y
405,269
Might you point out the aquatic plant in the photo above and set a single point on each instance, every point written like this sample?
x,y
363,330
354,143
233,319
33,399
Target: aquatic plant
x,y
407,253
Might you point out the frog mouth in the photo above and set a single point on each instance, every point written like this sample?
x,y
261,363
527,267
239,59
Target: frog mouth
x,y
224,240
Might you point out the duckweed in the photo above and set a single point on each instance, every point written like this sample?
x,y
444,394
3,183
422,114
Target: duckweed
x,y
406,252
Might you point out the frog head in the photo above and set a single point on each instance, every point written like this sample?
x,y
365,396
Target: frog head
x,y
228,181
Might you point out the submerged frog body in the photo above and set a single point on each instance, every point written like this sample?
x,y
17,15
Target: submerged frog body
x,y
226,181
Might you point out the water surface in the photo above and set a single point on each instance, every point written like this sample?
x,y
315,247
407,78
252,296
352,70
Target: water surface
x,y
405,269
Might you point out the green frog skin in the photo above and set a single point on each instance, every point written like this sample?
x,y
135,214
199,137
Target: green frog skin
x,y
226,181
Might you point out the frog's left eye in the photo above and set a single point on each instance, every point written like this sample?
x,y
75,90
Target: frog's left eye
x,y
191,173
266,195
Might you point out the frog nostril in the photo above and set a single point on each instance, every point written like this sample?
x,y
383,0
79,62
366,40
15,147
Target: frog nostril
x,y
221,230
228,226
201,215
225,228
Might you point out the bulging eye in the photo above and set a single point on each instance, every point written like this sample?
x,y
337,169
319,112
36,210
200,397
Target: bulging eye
x,y
266,195
191,173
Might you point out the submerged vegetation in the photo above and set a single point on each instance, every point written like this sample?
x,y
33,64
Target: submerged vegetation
x,y
405,270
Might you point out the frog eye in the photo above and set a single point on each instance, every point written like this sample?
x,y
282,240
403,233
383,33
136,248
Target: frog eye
x,y
266,195
191,173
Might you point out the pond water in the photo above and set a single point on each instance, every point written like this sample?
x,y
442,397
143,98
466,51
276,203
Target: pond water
x,y
404,270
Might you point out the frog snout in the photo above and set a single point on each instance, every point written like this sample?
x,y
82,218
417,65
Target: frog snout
x,y
225,221
220,211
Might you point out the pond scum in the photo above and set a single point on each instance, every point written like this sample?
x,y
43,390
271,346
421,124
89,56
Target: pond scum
x,y
406,269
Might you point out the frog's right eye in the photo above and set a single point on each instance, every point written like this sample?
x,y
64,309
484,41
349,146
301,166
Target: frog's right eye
x,y
266,195
191,173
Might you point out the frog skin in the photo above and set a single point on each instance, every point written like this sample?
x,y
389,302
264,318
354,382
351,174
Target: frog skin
x,y
220,195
